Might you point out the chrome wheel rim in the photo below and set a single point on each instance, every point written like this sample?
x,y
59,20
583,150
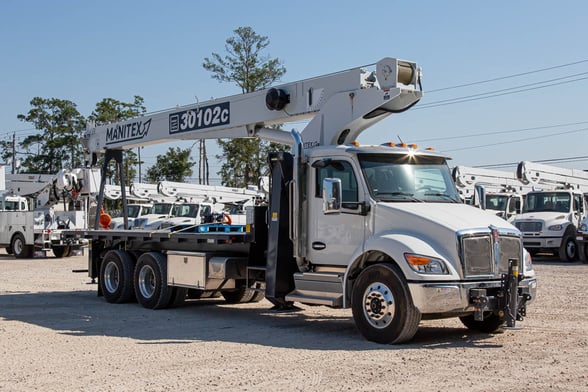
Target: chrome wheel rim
x,y
379,306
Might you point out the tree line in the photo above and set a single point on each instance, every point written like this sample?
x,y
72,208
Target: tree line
x,y
57,143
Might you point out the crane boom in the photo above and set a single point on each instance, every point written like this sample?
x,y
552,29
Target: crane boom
x,y
552,176
340,105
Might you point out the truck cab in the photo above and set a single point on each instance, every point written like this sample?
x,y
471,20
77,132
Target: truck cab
x,y
549,221
13,203
399,206
188,214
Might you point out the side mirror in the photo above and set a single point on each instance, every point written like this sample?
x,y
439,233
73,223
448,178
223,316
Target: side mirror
x,y
331,196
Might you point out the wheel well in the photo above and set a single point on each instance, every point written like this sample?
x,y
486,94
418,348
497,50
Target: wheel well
x,y
365,260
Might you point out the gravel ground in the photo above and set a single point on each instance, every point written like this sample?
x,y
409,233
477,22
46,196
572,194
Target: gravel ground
x,y
57,335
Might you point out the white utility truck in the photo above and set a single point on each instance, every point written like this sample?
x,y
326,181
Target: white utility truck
x,y
28,229
552,214
494,190
378,229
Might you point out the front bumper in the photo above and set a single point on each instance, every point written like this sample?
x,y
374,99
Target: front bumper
x,y
455,297
535,242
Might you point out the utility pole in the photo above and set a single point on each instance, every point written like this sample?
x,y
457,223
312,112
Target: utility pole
x,y
14,153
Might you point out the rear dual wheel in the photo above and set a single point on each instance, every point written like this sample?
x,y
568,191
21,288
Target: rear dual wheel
x,y
116,277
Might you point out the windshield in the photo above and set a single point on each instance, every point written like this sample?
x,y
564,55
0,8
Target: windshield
x,y
547,201
186,210
161,208
132,211
496,202
398,178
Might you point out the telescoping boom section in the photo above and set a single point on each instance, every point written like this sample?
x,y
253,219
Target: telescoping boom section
x,y
379,229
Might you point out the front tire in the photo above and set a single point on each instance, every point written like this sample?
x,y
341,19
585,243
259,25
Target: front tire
x,y
116,277
19,247
150,280
382,307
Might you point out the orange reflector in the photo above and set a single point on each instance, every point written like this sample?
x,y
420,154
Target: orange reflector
x,y
402,145
417,260
390,144
413,146
430,149
355,143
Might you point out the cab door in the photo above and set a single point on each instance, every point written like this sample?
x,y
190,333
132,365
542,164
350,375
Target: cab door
x,y
333,238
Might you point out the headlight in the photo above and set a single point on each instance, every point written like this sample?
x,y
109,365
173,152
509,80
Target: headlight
x,y
425,264
527,261
555,228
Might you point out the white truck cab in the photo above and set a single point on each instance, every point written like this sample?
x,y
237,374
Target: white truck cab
x,y
549,221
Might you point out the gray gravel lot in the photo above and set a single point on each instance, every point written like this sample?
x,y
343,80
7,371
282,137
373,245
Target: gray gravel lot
x,y
57,335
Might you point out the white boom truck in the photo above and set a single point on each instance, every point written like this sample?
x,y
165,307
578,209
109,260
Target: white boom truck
x,y
494,190
551,216
26,230
378,229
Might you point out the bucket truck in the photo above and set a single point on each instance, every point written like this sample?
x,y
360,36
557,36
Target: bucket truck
x,y
552,214
28,229
379,229
497,191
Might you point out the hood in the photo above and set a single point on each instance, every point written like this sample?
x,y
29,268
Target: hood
x,y
436,224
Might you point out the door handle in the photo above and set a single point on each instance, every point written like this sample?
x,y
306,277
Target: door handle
x,y
318,245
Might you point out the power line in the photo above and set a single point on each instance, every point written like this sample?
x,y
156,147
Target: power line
x,y
471,135
507,77
553,160
492,95
518,140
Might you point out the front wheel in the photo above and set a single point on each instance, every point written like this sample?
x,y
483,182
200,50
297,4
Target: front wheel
x,y
382,307
19,247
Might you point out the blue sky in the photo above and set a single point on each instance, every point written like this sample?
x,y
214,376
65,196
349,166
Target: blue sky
x,y
85,51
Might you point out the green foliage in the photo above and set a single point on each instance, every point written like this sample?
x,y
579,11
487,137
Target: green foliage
x,y
244,160
110,110
244,64
58,145
175,165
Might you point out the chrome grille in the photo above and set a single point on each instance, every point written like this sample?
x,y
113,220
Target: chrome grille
x,y
510,248
481,256
477,257
528,226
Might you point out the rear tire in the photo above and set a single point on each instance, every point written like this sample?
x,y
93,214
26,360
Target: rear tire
x,y
583,252
61,251
150,281
116,277
568,251
239,295
382,307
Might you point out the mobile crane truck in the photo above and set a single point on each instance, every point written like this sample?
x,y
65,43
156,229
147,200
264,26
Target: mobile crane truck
x,y
378,229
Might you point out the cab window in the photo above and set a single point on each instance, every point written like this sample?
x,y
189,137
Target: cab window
x,y
344,171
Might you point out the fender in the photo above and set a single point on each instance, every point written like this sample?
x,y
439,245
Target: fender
x,y
395,245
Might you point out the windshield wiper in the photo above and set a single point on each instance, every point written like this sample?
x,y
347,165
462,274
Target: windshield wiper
x,y
439,194
407,195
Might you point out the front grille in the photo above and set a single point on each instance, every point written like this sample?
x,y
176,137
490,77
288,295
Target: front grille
x,y
481,256
528,226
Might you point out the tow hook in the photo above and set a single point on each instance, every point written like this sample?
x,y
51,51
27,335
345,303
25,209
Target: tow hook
x,y
509,296
480,301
